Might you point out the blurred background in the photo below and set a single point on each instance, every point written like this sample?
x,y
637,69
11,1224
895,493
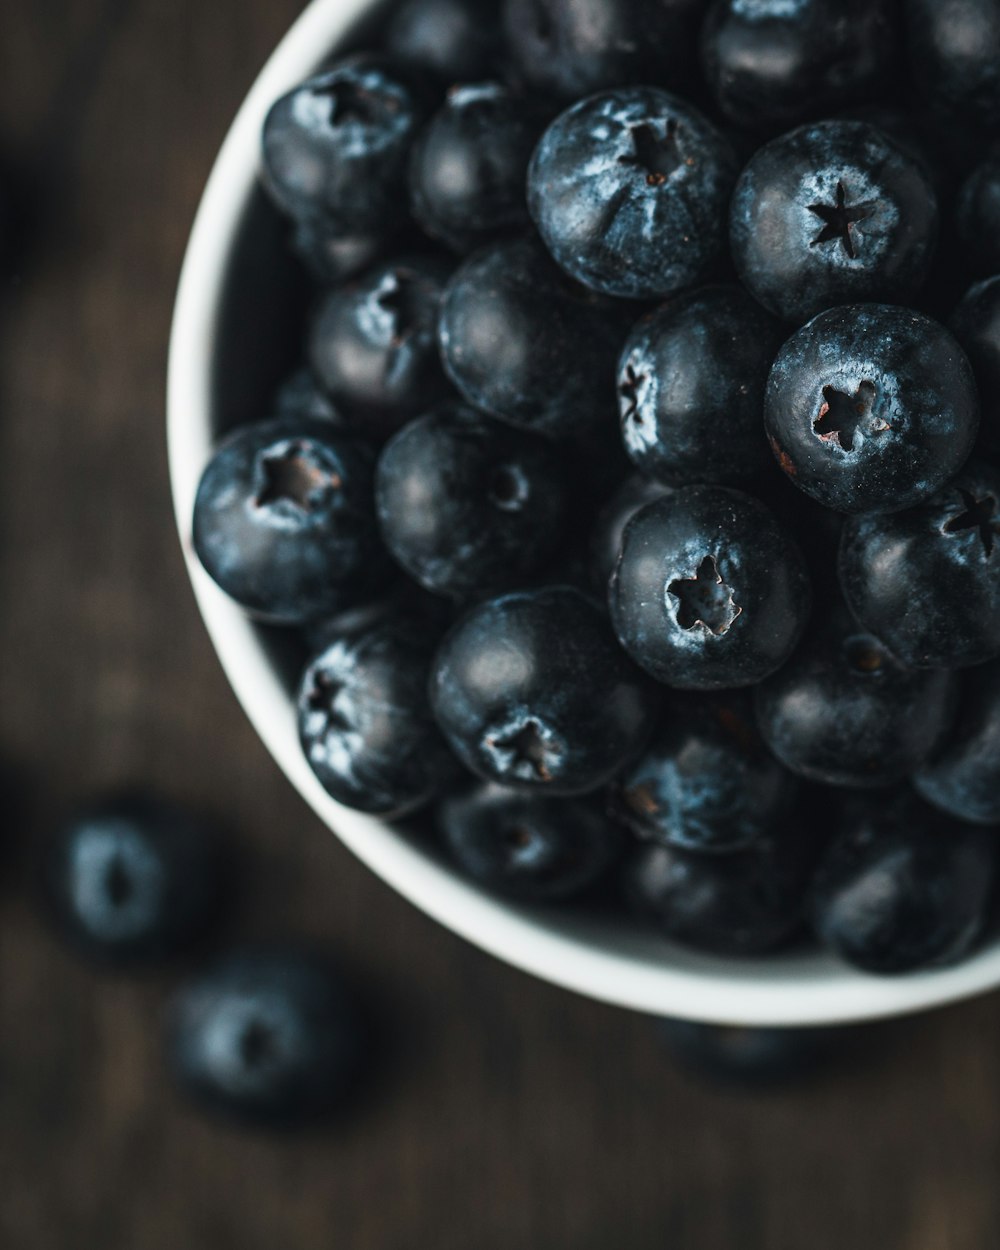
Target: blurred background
x,y
508,1113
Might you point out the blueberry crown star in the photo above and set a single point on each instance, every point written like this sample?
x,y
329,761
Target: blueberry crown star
x,y
838,221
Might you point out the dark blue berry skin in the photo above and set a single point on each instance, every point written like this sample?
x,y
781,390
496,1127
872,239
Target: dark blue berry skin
x,y
373,344
977,216
709,592
330,257
529,848
832,213
976,324
772,63
133,881
455,40
744,903
268,1037
629,190
901,887
954,54
301,398
532,692
468,170
526,345
871,408
747,1058
337,147
571,48
609,529
691,387
284,520
365,722
963,778
927,581
467,505
706,782
845,712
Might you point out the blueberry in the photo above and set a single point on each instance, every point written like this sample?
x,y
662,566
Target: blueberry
x,y
954,53
373,344
902,888
629,190
832,213
743,903
337,146
748,1058
284,520
871,408
926,581
571,48
609,529
330,257
844,711
532,692
706,782
468,505
709,592
456,40
977,216
301,398
976,325
528,847
365,722
133,880
468,170
270,1037
691,387
963,779
523,343
771,63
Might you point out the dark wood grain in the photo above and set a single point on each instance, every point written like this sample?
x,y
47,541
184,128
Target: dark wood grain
x,y
522,1116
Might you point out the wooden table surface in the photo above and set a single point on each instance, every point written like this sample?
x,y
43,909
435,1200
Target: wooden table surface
x,y
520,1116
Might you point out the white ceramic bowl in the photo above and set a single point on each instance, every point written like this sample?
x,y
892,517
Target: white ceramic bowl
x,y
229,341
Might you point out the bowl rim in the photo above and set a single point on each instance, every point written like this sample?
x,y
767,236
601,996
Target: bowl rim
x,y
785,990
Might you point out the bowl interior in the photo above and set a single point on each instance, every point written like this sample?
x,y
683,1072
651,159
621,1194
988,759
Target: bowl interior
x,y
240,312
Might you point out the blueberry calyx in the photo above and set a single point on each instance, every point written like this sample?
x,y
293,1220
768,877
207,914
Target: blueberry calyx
x,y
838,220
705,600
296,475
843,416
979,514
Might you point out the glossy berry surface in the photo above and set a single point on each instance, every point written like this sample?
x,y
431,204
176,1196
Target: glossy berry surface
x,y
373,344
532,692
365,722
926,580
977,216
902,888
963,778
609,529
743,903
832,213
706,781
871,408
528,847
976,325
746,1058
954,54
468,170
709,592
772,63
691,387
301,398
844,711
467,505
284,520
455,40
629,190
337,146
271,1037
133,880
526,345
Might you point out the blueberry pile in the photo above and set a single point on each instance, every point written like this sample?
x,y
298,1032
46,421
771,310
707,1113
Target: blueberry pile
x,y
637,492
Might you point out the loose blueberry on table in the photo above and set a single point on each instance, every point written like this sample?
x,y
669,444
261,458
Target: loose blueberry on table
x,y
533,273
